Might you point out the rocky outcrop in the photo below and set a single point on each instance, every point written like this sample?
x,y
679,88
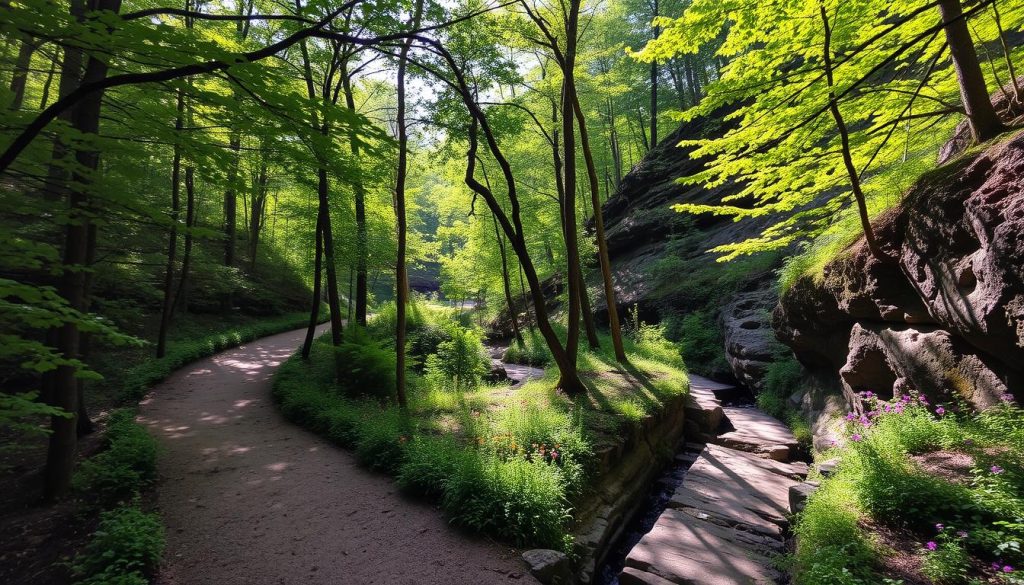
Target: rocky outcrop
x,y
750,344
944,314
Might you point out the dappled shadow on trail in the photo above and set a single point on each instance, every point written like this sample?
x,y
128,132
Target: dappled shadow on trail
x,y
248,498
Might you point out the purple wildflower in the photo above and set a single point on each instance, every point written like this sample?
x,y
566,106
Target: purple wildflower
x,y
996,469
939,527
1007,397
961,533
855,437
1007,569
931,545
940,411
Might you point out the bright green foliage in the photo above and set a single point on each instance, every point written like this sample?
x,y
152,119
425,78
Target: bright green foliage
x,y
460,361
895,90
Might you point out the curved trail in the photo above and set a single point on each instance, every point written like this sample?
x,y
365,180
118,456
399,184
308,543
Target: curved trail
x,y
250,499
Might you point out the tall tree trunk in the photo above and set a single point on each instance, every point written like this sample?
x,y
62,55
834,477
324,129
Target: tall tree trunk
x,y
20,76
259,206
526,301
654,80
333,302
602,245
181,297
314,312
45,99
569,180
63,442
401,274
691,80
172,238
231,199
981,114
844,135
360,207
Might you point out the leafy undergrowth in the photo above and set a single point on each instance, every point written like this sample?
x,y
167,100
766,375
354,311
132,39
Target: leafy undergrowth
x,y
126,546
506,461
921,495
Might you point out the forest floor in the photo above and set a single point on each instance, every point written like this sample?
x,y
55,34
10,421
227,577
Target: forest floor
x,y
249,498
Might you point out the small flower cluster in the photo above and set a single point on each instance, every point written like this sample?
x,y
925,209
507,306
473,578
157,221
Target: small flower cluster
x,y
1001,568
506,446
878,408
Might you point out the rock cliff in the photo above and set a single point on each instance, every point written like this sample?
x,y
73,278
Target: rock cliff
x,y
944,313
662,268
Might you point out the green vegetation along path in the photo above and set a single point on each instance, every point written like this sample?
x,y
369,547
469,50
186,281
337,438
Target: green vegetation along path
x,y
248,498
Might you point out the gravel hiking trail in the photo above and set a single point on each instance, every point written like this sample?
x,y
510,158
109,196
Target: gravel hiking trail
x,y
248,498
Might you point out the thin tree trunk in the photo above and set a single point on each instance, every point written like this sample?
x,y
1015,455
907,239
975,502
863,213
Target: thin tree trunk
x,y
1014,83
181,297
506,283
401,274
172,239
602,244
20,76
981,114
231,199
259,205
526,302
314,312
360,208
48,84
844,135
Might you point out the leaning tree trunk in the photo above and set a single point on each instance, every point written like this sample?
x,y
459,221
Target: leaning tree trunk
x,y
602,244
20,76
981,114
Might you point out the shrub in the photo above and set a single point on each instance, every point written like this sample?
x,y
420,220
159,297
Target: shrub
x,y
119,473
947,564
125,548
703,347
367,368
517,500
460,362
429,463
381,438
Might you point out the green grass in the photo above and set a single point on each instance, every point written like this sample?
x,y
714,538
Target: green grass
x,y
972,519
508,463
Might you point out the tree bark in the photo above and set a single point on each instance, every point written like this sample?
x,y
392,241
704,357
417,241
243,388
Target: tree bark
x,y
981,114
401,274
602,245
20,75
506,284
172,238
314,312
63,441
360,208
259,206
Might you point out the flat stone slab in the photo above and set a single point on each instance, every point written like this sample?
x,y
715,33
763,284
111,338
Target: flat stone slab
x,y
684,550
703,405
756,432
739,486
722,525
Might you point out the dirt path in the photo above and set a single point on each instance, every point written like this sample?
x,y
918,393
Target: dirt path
x,y
250,499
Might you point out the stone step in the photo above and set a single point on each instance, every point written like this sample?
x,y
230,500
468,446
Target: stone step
x,y
757,432
723,524
704,412
684,550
